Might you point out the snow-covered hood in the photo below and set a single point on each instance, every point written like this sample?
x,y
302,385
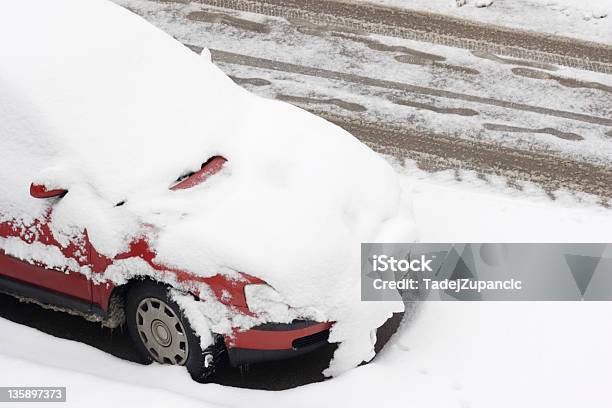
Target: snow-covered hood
x,y
114,110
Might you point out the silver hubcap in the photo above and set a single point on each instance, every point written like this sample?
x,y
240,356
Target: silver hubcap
x,y
161,332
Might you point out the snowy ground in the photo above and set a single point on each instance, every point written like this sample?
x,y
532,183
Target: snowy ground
x,y
473,210
587,20
451,355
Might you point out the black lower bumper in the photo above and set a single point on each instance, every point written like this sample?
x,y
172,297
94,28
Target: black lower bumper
x,y
299,345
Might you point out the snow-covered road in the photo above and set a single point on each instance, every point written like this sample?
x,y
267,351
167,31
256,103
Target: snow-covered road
x,y
588,20
451,355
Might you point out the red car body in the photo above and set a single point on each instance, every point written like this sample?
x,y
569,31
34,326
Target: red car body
x,y
77,292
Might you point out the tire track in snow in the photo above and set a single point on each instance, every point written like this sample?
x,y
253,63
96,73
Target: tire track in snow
x,y
514,129
256,62
410,59
250,81
378,46
211,17
409,55
309,28
350,106
567,82
513,61
437,109
434,28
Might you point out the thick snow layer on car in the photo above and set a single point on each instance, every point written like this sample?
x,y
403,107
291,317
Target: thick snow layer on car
x,y
95,100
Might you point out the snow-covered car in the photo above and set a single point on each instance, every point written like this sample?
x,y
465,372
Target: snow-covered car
x,y
140,184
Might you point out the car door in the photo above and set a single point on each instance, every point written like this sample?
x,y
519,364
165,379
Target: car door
x,y
35,264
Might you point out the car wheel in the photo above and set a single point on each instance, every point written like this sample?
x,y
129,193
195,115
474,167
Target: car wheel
x,y
161,332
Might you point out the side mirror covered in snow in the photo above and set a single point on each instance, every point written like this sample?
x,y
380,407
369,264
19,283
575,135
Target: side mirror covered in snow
x,y
209,168
41,191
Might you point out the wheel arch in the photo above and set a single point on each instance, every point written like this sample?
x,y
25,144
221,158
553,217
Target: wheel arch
x,y
117,300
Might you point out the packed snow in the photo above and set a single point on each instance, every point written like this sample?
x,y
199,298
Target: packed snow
x,y
452,354
586,20
99,102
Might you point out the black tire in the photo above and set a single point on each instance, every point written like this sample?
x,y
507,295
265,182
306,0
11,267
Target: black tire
x,y
387,330
195,360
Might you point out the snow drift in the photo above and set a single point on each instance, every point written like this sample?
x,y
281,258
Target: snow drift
x,y
95,100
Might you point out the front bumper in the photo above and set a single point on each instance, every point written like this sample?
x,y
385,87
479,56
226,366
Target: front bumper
x,y
276,341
